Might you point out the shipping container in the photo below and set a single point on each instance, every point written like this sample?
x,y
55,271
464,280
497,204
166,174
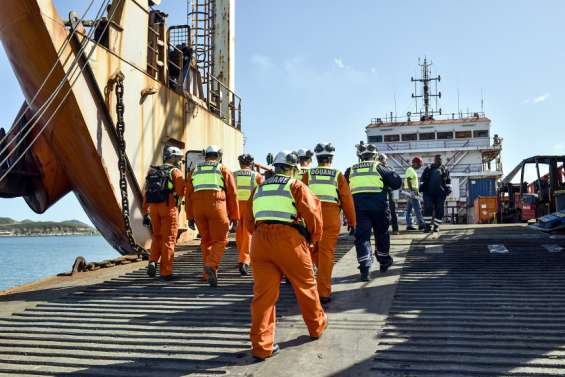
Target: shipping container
x,y
480,187
484,209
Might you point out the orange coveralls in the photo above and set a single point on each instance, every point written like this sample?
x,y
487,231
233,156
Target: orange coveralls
x,y
324,250
212,210
165,225
277,250
242,234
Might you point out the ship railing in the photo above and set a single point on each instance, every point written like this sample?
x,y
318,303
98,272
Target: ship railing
x,y
416,117
417,145
223,102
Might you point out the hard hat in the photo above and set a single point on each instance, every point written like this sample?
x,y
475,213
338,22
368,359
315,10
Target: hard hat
x,y
304,153
324,149
171,152
213,149
286,157
418,160
365,149
246,159
382,157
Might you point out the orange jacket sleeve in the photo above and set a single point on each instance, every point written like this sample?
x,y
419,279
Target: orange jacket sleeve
x,y
178,182
309,208
231,193
306,178
346,199
189,192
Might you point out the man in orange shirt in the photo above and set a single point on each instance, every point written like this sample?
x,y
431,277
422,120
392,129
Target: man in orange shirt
x,y
163,189
211,204
284,218
331,187
246,180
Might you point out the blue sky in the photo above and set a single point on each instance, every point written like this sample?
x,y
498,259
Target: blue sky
x,y
318,70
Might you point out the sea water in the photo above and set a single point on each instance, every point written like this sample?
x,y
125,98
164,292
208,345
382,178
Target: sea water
x,y
26,259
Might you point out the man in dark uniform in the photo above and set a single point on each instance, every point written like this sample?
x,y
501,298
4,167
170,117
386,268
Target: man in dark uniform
x,y
436,186
369,182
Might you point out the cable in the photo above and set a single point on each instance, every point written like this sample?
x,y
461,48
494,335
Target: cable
x,y
59,53
41,111
11,167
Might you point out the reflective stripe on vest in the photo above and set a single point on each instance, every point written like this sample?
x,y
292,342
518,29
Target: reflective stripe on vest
x,y
207,176
323,183
301,173
364,177
273,200
245,181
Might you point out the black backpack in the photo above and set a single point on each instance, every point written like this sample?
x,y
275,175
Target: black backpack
x,y
157,183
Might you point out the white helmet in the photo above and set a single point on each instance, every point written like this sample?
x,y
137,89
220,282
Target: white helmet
x,y
171,152
286,157
382,157
304,153
213,149
324,149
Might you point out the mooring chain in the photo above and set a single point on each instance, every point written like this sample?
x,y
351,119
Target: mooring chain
x,y
120,126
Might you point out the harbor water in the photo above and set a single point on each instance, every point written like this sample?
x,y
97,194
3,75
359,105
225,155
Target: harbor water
x,y
26,259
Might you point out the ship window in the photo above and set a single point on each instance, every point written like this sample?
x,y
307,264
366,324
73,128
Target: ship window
x,y
428,136
391,138
375,139
444,135
480,133
409,137
463,134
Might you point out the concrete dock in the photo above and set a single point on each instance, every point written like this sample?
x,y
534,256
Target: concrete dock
x,y
477,301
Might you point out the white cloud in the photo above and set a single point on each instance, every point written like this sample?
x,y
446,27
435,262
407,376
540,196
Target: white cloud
x,y
339,63
541,98
261,60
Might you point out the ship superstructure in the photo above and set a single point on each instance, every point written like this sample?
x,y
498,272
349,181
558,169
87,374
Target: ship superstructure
x,y
468,147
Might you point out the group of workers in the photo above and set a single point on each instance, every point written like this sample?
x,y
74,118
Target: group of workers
x,y
286,223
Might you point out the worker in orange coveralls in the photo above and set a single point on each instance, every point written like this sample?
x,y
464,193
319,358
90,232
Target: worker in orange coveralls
x,y
211,204
164,188
279,246
246,180
331,187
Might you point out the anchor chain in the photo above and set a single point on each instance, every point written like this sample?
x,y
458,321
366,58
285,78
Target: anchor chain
x,y
120,127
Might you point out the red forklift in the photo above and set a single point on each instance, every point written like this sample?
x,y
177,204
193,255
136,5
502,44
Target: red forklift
x,y
523,201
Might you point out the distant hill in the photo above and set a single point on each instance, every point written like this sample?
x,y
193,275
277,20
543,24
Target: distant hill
x,y
11,227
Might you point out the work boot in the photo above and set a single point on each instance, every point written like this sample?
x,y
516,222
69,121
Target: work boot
x,y
386,265
410,227
152,269
395,232
314,337
427,229
421,227
436,229
364,274
243,269
212,276
276,350
325,300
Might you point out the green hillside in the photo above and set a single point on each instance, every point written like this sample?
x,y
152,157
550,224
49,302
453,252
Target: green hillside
x,y
11,227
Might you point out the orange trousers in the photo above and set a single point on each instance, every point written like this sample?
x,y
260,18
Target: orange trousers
x,y
325,248
278,249
242,235
165,225
211,217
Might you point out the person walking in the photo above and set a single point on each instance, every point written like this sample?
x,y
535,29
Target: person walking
x,y
367,180
332,189
436,187
383,160
412,193
284,218
211,205
246,180
164,188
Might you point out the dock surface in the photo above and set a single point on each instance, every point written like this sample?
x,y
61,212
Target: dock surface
x,y
477,301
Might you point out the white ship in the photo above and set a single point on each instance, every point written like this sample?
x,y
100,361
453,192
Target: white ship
x,y
466,142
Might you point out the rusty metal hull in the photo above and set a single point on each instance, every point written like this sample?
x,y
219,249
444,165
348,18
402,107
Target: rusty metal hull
x,y
80,140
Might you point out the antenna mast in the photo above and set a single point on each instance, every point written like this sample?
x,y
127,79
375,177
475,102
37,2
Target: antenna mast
x,y
426,79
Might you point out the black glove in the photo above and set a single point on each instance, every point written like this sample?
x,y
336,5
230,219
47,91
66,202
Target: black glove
x,y
147,221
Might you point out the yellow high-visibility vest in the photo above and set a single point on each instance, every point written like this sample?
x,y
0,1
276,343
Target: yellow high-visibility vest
x,y
245,181
365,177
323,183
208,176
273,200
